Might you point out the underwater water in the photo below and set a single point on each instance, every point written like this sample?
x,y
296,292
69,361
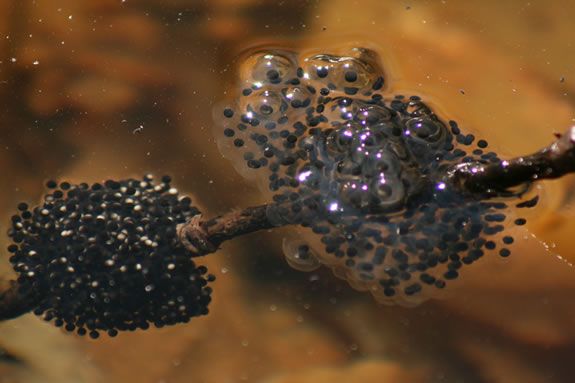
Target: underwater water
x,y
100,90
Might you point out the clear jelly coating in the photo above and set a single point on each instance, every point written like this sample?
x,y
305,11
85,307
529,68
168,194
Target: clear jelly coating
x,y
300,255
363,170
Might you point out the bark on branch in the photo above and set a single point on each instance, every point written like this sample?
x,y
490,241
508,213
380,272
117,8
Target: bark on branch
x,y
15,302
554,161
203,237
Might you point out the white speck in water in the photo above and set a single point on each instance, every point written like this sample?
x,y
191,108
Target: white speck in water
x,y
224,270
314,278
273,308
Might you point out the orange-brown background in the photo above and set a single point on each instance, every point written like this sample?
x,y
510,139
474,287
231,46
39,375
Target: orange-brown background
x,y
78,77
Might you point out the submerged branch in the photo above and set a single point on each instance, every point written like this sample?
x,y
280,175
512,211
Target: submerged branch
x,y
554,161
203,237
200,238
486,180
15,302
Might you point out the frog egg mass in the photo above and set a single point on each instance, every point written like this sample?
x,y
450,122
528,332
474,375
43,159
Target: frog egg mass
x,y
363,170
368,174
106,257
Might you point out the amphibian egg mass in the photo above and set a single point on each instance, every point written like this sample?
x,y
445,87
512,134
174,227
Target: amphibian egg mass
x,y
367,173
363,170
106,257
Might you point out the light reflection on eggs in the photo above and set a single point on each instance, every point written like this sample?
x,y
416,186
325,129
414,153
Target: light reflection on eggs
x,y
363,170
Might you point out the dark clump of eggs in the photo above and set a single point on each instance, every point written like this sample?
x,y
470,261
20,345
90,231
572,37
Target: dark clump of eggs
x,y
106,258
364,170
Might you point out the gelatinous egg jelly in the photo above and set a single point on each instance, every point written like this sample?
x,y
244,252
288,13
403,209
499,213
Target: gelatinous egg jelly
x,y
362,169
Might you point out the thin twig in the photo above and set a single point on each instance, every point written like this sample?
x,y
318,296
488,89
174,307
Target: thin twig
x,y
554,161
204,237
15,302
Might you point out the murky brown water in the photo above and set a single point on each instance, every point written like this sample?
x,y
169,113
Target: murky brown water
x,y
112,89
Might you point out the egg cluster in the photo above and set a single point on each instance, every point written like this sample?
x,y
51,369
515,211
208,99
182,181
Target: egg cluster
x,y
106,258
364,170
